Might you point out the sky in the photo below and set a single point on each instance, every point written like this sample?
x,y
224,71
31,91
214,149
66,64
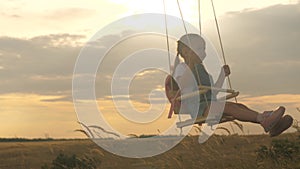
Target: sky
x,y
40,42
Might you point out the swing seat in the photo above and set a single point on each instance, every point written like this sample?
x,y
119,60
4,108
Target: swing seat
x,y
174,96
203,119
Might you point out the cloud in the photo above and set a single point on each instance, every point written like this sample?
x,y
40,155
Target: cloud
x,y
262,49
287,99
15,16
41,65
58,40
44,65
59,99
69,14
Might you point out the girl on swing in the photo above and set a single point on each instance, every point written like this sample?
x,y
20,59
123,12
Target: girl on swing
x,y
191,47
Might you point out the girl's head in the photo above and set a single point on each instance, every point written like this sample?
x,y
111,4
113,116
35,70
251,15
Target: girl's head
x,y
191,47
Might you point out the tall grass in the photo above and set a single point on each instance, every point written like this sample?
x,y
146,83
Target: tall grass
x,y
282,153
63,161
94,130
296,123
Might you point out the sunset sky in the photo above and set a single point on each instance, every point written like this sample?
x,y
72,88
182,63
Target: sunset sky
x,y
40,41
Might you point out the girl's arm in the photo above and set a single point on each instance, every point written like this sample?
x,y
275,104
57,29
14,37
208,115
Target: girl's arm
x,y
224,73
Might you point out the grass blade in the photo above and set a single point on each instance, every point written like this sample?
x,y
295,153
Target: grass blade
x,y
105,131
87,128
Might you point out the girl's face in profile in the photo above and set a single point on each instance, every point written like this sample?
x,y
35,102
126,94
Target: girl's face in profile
x,y
187,54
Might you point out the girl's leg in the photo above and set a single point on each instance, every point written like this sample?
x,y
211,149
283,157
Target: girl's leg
x,y
243,113
240,112
241,105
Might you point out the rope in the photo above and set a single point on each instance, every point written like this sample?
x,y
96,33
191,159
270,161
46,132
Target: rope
x,y
168,47
186,32
182,17
199,12
178,53
167,36
221,44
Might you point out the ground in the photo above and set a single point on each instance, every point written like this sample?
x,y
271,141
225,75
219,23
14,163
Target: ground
x,y
232,151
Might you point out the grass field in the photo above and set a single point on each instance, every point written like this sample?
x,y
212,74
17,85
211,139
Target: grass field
x,y
218,152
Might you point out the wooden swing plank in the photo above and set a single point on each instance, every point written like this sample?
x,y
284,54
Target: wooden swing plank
x,y
192,94
217,89
202,120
